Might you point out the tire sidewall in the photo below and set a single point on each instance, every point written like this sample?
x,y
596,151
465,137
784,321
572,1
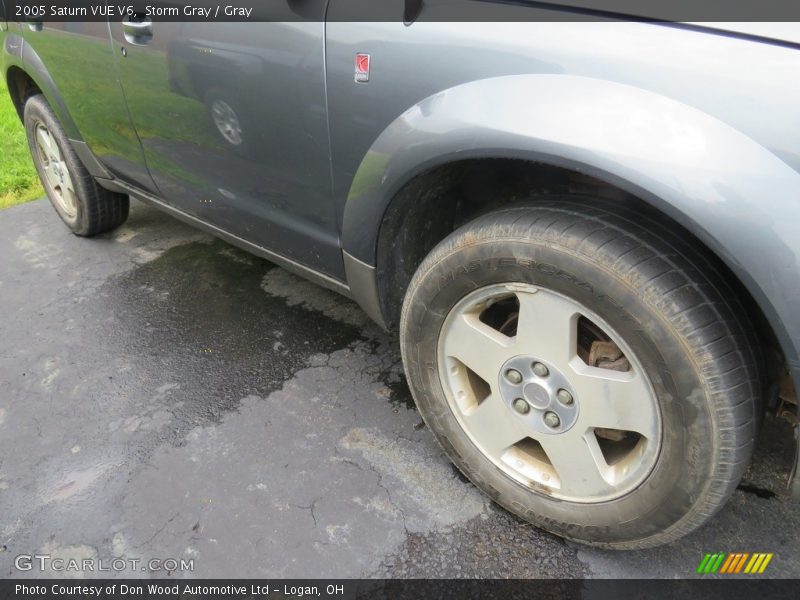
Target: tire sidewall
x,y
687,452
37,111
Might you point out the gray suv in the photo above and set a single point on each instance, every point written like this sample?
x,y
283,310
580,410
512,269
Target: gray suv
x,y
586,233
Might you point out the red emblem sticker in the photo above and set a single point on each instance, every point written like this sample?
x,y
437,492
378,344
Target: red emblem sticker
x,y
362,68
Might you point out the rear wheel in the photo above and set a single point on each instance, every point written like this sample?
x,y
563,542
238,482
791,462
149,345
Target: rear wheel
x,y
580,369
85,207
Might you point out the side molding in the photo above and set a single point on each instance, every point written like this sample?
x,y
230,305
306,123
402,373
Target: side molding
x,y
89,160
363,287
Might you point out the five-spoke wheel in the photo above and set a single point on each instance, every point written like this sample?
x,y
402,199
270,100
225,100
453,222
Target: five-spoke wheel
x,y
586,367
83,204
517,380
56,171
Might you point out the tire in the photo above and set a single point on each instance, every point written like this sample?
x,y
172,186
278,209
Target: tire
x,y
85,207
669,427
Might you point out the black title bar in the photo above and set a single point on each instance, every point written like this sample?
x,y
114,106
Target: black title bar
x,y
404,10
377,589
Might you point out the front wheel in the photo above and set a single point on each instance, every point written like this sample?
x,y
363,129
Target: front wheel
x,y
582,370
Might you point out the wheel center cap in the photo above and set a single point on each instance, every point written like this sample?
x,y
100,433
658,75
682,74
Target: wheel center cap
x,y
536,395
530,387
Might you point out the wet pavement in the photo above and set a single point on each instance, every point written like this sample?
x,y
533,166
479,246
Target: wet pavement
x,y
165,395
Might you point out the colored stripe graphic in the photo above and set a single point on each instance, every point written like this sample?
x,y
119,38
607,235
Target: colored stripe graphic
x,y
755,564
709,568
730,564
727,564
710,564
741,562
734,562
764,564
718,563
702,566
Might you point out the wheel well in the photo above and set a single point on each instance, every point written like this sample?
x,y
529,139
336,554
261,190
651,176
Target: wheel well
x,y
435,203
20,87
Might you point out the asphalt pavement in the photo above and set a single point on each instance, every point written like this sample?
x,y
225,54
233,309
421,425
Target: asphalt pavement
x,y
165,395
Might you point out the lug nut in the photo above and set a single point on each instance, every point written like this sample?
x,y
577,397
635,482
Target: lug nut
x,y
564,397
521,406
514,376
551,420
540,370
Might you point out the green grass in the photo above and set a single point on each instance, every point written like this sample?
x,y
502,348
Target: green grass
x,y
18,179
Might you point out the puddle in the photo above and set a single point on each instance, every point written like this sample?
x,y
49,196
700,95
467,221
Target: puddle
x,y
195,330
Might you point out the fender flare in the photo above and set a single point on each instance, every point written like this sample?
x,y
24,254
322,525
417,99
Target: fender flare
x,y
19,54
33,66
708,176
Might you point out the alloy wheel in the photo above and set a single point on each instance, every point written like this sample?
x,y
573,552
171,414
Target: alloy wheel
x,y
549,393
55,170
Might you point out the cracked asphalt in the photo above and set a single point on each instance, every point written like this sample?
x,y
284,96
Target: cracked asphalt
x,y
165,395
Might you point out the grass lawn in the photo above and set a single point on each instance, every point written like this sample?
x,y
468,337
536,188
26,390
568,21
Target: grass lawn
x,y
18,180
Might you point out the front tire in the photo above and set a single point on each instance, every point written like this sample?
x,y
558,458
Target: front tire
x,y
85,207
582,371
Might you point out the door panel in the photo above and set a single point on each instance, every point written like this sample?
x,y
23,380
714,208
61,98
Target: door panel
x,y
80,59
232,119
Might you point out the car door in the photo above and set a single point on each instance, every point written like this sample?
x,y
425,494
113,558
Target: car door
x,y
233,123
80,59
